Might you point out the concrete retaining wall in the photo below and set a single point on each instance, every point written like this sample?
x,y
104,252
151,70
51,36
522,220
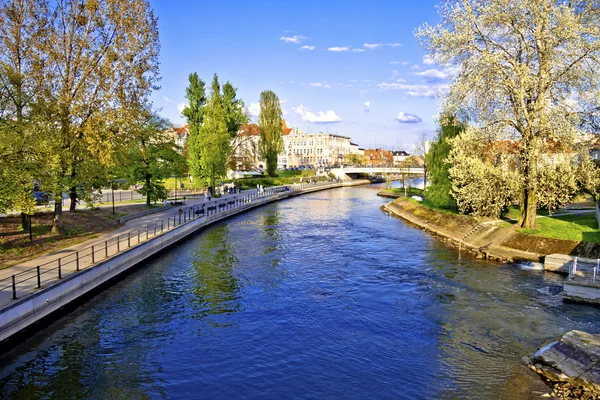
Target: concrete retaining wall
x,y
581,292
31,309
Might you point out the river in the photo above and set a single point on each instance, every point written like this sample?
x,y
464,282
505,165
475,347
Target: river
x,y
319,296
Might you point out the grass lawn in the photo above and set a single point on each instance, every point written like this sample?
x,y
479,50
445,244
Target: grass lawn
x,y
409,191
83,225
581,228
171,183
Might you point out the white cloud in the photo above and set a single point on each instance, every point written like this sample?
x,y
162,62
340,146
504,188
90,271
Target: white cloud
x,y
338,48
416,90
253,109
393,44
323,85
168,100
399,62
358,50
405,118
428,60
283,101
320,117
181,106
296,39
432,75
415,67
400,80
307,48
363,91
372,45
367,106
285,112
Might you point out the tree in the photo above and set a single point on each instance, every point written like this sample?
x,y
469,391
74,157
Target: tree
x,y
194,114
484,183
101,63
210,147
23,151
271,130
439,189
150,156
527,68
421,149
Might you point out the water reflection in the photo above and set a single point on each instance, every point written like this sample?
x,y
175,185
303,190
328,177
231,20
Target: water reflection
x,y
215,286
318,296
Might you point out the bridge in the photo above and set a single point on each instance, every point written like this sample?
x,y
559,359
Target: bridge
x,y
353,172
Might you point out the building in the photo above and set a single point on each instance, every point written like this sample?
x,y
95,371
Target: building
x,y
378,158
399,156
314,149
179,135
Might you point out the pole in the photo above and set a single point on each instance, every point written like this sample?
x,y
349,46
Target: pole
x,y
112,187
30,232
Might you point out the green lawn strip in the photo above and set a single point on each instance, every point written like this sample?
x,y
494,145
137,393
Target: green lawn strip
x,y
409,191
582,228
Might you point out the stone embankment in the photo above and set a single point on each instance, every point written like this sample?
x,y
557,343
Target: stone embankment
x,y
484,239
570,365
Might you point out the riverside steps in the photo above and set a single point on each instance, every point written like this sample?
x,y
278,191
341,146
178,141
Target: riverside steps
x,y
34,290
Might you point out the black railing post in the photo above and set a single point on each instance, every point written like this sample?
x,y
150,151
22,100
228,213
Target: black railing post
x,y
14,288
118,244
77,261
93,254
59,270
39,278
128,239
106,249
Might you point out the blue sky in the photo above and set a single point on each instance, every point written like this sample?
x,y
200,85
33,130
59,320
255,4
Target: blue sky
x,y
355,52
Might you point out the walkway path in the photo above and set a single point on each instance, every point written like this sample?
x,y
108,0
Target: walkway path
x,y
68,260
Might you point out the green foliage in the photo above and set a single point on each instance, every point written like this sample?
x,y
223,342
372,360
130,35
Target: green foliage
x,y
271,130
234,110
250,183
439,190
150,156
483,184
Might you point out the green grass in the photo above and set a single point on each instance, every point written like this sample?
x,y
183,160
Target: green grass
x,y
581,228
290,174
409,191
172,182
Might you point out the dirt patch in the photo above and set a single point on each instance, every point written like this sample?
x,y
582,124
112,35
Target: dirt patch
x,y
80,226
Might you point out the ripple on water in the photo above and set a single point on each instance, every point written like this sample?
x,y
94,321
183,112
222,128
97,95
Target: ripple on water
x,y
321,296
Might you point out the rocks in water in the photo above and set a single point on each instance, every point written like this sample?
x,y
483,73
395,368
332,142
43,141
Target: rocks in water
x,y
571,365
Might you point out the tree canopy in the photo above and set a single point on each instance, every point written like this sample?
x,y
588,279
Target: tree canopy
x,y
526,70
271,130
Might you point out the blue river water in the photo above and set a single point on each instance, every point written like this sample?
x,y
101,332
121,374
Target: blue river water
x,y
319,296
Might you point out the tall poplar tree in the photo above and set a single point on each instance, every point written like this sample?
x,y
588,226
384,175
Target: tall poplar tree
x,y
209,148
271,130
195,94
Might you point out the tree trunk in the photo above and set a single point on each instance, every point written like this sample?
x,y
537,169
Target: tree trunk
x,y
528,209
73,197
57,220
147,191
24,221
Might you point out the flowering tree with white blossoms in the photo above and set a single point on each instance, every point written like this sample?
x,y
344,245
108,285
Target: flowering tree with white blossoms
x,y
528,70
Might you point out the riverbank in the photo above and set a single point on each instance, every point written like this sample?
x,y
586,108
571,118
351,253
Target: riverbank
x,y
483,239
85,275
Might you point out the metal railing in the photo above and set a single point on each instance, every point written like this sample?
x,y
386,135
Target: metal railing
x,y
35,278
582,271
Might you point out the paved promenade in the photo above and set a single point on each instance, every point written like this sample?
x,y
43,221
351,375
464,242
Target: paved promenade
x,y
82,255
